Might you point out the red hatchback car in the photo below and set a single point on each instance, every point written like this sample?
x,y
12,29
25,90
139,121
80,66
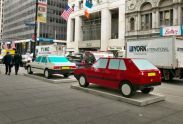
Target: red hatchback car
x,y
128,75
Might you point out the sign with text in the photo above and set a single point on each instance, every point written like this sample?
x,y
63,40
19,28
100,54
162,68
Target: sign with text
x,y
42,11
170,31
43,2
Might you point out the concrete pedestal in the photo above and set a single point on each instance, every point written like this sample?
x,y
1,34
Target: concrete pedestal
x,y
56,79
139,99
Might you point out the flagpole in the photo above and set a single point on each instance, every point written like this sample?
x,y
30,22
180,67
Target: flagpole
x,y
35,32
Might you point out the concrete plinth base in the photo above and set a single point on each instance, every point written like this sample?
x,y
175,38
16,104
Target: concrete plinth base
x,y
56,79
139,99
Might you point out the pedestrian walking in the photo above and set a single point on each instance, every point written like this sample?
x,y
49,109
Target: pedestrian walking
x,y
17,61
8,61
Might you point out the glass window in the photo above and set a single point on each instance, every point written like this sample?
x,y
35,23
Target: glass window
x,y
114,64
81,4
146,21
101,63
44,60
166,17
58,59
132,24
122,65
38,59
92,28
143,64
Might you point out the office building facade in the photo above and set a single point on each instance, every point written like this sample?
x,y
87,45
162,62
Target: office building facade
x,y
1,17
18,12
144,18
103,30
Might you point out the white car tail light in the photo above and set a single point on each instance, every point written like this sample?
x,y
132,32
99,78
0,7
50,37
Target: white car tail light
x,y
73,67
56,67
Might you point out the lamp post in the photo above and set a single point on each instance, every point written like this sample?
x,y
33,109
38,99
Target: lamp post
x,y
35,31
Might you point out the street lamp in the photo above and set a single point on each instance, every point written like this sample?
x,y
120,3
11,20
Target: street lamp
x,y
35,31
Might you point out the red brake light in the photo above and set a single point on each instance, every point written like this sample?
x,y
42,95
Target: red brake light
x,y
142,73
56,67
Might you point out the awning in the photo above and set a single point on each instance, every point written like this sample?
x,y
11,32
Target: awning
x,y
40,39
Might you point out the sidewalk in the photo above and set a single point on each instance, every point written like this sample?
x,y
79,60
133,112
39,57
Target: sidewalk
x,y
20,72
26,100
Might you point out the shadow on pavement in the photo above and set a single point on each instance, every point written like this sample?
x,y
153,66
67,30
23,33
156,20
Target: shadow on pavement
x,y
55,76
175,82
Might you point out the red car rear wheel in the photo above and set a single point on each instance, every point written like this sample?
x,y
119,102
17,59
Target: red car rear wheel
x,y
127,89
83,81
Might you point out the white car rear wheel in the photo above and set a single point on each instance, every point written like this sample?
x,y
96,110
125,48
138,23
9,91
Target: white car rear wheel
x,y
29,71
47,73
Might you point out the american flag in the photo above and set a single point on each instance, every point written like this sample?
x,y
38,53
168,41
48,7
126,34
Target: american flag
x,y
66,12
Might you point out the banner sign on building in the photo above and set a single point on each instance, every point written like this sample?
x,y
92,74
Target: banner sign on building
x,y
171,31
42,11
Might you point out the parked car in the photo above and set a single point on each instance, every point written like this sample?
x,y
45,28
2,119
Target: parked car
x,y
26,58
128,75
77,59
87,58
50,64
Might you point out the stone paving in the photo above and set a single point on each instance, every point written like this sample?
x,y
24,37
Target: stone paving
x,y
25,100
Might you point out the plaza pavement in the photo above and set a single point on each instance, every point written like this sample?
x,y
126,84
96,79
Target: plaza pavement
x,y
25,100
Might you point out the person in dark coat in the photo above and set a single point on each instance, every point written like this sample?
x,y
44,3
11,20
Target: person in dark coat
x,y
17,61
8,61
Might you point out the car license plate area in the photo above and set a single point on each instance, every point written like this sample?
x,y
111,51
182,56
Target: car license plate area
x,y
65,68
151,74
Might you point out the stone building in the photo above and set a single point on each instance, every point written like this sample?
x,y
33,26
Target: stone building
x,y
145,17
103,30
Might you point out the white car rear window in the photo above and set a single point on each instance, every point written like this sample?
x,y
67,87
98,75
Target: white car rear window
x,y
143,64
58,59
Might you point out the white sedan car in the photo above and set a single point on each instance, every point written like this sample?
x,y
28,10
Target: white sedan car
x,y
50,64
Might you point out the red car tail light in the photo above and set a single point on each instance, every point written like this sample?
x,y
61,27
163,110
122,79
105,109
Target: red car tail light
x,y
142,73
56,67
159,72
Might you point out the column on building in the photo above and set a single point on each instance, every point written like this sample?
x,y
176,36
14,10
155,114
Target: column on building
x,y
139,21
136,22
69,30
122,25
157,18
175,15
105,28
179,12
78,32
154,19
